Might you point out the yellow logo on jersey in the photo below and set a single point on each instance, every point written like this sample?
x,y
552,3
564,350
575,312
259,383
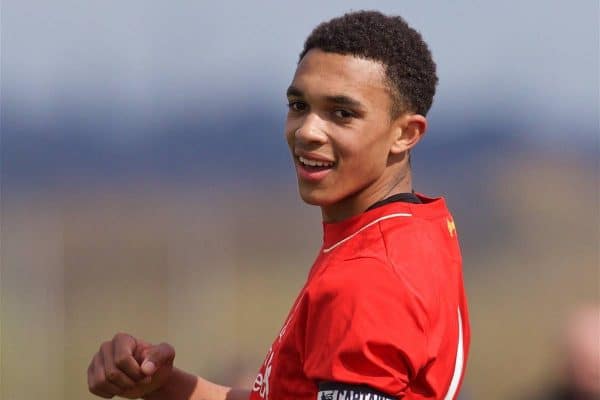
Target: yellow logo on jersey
x,y
451,227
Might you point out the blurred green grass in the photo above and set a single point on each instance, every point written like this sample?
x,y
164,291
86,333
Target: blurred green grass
x,y
214,273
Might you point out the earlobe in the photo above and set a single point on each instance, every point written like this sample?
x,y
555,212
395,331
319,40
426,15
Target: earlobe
x,y
408,130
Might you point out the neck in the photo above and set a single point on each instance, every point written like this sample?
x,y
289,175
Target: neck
x,y
357,203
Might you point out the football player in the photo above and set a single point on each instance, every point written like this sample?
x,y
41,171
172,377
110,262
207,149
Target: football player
x,y
383,312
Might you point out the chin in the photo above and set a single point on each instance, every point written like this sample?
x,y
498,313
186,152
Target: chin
x,y
316,197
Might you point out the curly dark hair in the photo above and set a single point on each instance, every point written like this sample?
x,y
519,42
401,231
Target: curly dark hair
x,y
409,68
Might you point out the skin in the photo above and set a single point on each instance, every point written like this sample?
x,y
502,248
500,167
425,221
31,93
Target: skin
x,y
581,347
339,111
132,368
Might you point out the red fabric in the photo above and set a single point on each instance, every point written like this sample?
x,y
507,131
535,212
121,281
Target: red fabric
x,y
379,308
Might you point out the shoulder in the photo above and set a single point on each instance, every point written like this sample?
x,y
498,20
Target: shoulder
x,y
430,224
360,317
366,288
355,276
420,251
424,257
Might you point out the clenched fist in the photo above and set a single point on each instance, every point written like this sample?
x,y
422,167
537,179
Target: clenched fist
x,y
129,367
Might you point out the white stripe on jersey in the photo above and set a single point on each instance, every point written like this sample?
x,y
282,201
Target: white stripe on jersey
x,y
327,250
459,363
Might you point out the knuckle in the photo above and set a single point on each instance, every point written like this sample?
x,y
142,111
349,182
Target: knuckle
x,y
91,375
127,385
96,389
104,345
168,348
99,379
112,375
100,386
144,353
121,362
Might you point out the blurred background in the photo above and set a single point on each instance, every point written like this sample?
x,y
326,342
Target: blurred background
x,y
146,186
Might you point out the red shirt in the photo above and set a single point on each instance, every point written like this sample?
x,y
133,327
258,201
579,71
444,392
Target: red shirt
x,y
383,306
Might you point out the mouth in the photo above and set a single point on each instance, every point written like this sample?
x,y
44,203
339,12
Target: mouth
x,y
313,170
314,165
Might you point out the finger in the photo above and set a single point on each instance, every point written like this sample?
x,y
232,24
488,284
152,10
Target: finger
x,y
93,386
111,371
98,384
100,393
158,356
141,350
124,346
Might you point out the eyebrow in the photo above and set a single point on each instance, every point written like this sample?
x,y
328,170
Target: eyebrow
x,y
342,100
293,91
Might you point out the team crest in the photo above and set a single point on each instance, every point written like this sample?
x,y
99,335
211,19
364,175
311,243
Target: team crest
x,y
451,227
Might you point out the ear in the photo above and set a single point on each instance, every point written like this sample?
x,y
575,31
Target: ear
x,y
407,131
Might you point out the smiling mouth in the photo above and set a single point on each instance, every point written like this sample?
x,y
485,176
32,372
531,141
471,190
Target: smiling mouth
x,y
314,165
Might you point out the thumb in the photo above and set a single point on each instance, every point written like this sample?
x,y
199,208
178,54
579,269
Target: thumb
x,y
161,355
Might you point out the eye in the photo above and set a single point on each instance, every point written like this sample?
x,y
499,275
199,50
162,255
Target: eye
x,y
297,106
343,114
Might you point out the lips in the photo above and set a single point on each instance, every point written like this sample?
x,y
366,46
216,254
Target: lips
x,y
313,168
307,162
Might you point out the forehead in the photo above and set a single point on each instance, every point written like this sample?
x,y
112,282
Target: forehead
x,y
323,73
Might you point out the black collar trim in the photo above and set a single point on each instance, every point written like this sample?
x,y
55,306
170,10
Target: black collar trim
x,y
404,197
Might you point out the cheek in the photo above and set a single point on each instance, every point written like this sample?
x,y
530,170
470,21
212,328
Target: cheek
x,y
288,131
365,157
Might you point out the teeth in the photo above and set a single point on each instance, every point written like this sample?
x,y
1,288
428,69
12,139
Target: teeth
x,y
314,163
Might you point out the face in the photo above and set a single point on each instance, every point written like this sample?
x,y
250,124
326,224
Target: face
x,y
340,132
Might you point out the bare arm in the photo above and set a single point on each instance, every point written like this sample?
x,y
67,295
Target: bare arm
x,y
132,368
184,386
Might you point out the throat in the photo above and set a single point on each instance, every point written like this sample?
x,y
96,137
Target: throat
x,y
367,198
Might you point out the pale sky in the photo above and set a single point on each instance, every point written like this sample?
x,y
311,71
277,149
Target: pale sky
x,y
540,55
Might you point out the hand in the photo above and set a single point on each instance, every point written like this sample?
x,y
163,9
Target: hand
x,y
129,367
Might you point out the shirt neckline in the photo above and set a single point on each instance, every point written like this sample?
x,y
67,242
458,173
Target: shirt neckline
x,y
336,233
409,197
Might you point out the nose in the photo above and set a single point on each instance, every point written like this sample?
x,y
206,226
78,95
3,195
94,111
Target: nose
x,y
312,130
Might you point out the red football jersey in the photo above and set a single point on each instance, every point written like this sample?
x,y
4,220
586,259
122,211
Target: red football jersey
x,y
384,306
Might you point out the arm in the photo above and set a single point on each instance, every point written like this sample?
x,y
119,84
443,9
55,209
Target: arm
x,y
134,369
184,386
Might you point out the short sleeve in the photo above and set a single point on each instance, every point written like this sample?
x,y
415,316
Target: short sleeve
x,y
364,326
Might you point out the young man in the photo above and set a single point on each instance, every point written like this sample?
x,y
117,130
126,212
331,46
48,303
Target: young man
x,y
383,312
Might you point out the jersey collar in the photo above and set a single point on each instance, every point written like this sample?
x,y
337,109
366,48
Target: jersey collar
x,y
337,233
